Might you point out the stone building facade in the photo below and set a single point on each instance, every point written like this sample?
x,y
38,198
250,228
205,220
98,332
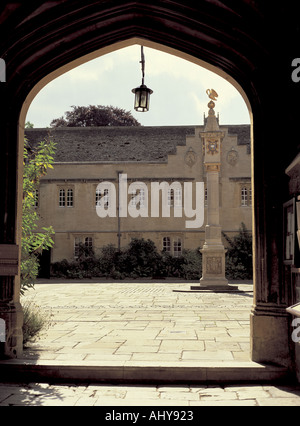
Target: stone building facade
x,y
85,157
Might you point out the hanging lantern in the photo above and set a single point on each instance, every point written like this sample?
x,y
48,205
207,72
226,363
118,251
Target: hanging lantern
x,y
142,98
142,93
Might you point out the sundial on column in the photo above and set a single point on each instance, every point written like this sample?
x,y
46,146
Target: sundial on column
x,y
212,147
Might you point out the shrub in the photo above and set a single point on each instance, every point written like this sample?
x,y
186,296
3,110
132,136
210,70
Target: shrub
x,y
58,269
35,322
239,255
172,266
108,259
85,266
139,260
192,267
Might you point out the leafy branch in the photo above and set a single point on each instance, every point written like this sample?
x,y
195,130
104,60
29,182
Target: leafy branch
x,y
37,160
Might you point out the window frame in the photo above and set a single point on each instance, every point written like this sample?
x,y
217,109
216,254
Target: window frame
x,y
177,243
66,196
86,240
166,243
245,195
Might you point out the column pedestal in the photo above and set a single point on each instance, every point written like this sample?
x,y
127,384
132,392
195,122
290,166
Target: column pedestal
x,y
12,314
213,262
213,267
269,340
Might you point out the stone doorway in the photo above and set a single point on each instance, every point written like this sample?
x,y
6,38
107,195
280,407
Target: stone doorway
x,y
217,35
233,349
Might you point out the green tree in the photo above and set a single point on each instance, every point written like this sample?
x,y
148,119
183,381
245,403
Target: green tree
x,y
29,125
95,115
36,163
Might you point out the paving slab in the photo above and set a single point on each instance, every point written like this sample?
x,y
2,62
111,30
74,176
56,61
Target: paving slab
x,y
87,315
48,394
142,331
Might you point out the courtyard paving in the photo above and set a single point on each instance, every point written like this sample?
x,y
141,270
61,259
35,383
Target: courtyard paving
x,y
141,321
95,323
114,396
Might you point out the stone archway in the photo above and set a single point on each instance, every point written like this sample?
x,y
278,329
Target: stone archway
x,y
42,38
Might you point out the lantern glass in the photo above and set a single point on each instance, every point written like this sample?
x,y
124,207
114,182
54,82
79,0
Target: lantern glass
x,y
142,98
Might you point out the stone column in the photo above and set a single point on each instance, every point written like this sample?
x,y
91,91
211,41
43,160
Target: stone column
x,y
270,324
11,169
213,251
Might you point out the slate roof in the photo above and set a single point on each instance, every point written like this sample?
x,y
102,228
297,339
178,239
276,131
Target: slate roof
x,y
122,144
242,131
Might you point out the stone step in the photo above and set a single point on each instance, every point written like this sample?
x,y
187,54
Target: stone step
x,y
140,372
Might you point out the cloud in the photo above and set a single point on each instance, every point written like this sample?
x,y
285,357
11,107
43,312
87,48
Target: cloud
x,y
179,87
200,105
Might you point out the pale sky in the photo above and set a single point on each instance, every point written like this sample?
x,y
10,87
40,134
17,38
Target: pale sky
x,y
179,90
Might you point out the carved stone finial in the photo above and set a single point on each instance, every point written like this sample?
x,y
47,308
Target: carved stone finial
x,y
211,106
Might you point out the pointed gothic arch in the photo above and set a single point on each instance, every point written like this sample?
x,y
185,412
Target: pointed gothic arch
x,y
44,39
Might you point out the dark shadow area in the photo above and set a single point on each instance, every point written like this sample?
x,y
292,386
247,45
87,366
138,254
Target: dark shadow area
x,y
30,394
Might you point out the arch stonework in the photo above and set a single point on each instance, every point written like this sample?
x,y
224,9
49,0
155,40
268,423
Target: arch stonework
x,y
41,40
